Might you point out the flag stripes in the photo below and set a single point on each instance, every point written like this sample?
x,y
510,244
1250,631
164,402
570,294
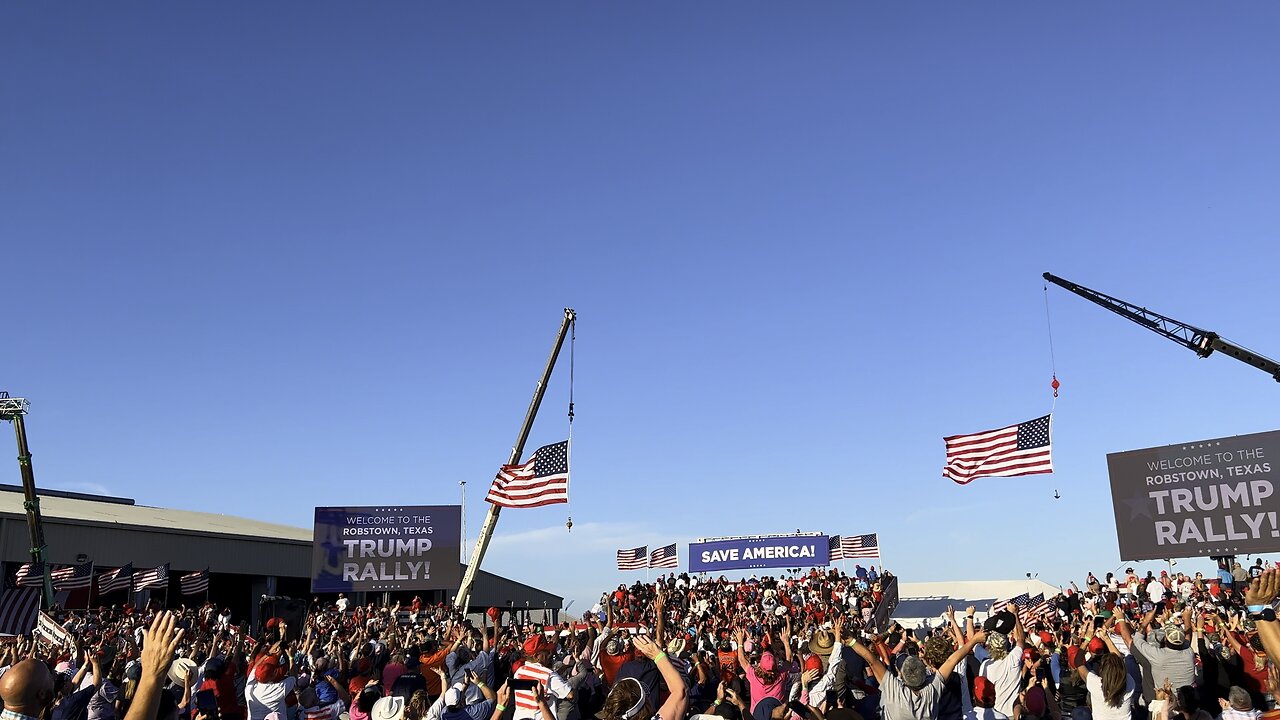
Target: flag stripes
x,y
860,546
633,559
195,583
73,577
18,610
664,557
30,575
834,550
1022,449
542,480
118,579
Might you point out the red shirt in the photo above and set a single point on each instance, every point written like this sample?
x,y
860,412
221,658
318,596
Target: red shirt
x,y
1255,679
224,689
611,664
728,665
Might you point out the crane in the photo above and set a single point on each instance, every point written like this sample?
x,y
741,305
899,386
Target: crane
x,y
13,409
463,597
1201,342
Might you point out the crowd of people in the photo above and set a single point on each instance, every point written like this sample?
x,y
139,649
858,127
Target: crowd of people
x,y
802,646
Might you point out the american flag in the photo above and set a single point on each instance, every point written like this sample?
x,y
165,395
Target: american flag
x,y
1022,449
664,557
118,579
860,546
633,559
195,583
155,578
1037,607
544,480
834,549
19,608
73,577
30,575
1017,602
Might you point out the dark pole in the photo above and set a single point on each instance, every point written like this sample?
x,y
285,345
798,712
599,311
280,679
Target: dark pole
x,y
32,506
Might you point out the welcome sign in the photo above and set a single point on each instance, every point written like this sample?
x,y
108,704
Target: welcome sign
x,y
761,551
1208,497
386,548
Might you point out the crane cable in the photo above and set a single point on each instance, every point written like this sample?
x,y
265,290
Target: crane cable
x,y
1053,363
573,337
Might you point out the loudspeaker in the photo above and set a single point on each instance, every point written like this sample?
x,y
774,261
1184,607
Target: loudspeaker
x,y
292,612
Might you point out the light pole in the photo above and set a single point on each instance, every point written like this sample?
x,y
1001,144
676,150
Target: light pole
x,y
463,484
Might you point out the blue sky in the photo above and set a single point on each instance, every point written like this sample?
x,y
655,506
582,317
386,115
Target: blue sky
x,y
262,257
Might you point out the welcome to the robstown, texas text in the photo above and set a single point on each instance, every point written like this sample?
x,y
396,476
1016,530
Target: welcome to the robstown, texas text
x,y
387,559
1206,501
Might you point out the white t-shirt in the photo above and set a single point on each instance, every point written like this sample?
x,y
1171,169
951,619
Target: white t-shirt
x,y
1103,711
1005,675
262,699
1155,591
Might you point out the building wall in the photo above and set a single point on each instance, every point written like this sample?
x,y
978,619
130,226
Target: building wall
x,y
240,565
115,545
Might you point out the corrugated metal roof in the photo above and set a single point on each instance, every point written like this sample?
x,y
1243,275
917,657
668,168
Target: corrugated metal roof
x,y
87,511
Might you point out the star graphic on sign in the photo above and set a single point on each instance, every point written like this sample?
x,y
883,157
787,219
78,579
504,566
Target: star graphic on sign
x,y
1139,504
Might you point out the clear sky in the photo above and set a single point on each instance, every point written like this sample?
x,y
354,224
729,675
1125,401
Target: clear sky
x,y
265,256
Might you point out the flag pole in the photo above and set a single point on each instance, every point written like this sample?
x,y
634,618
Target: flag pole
x,y
491,519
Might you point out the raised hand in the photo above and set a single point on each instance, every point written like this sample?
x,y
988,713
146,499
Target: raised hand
x,y
1263,589
161,640
646,646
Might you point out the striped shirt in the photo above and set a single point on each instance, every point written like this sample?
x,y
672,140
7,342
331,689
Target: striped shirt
x,y
552,684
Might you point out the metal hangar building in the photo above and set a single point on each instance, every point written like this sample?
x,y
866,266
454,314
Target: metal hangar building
x,y
246,558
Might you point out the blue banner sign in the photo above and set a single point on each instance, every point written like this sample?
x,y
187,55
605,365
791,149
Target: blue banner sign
x,y
386,548
765,551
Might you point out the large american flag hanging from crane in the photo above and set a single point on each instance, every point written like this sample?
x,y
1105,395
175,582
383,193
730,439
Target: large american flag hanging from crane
x,y
543,480
1022,449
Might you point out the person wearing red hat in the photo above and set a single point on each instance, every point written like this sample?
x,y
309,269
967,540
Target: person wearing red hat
x,y
537,667
613,648
984,700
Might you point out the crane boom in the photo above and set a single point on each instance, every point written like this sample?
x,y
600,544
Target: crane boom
x,y
463,598
1201,342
